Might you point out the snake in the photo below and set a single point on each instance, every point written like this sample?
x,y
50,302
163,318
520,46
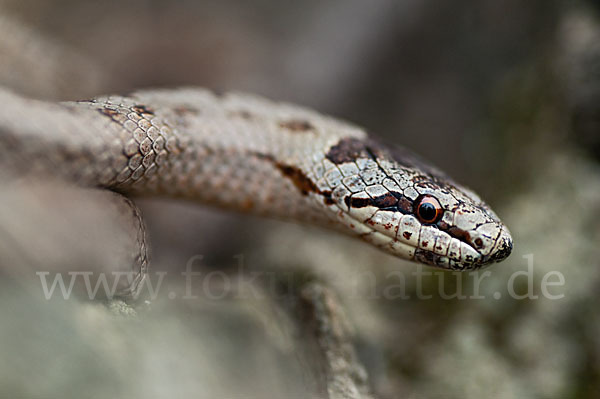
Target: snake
x,y
246,153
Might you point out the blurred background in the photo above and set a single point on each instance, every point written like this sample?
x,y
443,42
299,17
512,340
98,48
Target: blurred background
x,y
504,95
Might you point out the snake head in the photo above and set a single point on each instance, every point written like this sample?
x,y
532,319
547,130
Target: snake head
x,y
397,202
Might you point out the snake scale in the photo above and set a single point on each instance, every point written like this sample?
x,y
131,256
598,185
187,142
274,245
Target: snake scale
x,y
250,154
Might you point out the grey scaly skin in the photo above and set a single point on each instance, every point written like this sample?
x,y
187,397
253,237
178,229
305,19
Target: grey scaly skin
x,y
246,153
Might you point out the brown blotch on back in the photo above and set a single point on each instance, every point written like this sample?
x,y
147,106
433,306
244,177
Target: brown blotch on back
x,y
109,112
296,125
113,114
303,183
297,176
142,109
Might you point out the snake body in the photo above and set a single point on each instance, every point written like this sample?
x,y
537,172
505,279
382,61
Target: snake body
x,y
250,154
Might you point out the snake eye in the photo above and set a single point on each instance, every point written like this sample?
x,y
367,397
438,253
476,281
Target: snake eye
x,y
428,209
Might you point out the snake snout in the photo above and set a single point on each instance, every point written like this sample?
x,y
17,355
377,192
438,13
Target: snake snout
x,y
503,247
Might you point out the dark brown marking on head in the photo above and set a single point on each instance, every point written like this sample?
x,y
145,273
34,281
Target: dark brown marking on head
x,y
408,159
297,125
385,201
358,202
404,205
390,201
459,234
350,149
407,235
142,109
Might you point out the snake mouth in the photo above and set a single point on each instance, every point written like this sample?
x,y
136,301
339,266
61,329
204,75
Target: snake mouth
x,y
455,254
501,249
439,250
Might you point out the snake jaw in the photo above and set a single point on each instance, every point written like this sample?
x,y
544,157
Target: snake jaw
x,y
430,245
403,236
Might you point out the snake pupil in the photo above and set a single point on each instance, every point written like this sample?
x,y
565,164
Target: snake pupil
x,y
427,211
